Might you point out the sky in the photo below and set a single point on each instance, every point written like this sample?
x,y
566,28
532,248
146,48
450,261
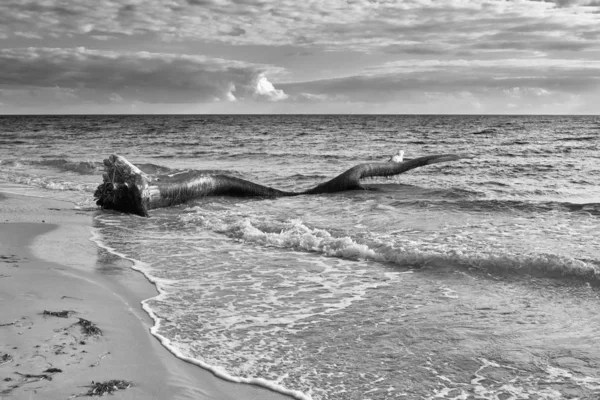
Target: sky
x,y
291,56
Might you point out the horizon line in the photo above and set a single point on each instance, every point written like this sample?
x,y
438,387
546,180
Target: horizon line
x,y
296,114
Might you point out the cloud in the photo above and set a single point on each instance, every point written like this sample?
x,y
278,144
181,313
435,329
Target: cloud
x,y
517,92
29,35
237,31
141,76
115,98
41,96
570,3
452,75
41,76
229,96
487,48
476,85
417,49
265,89
310,97
359,25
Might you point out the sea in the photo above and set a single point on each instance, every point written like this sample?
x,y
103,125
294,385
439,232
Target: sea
x,y
472,279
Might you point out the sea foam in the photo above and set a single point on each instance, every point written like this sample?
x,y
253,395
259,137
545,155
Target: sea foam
x,y
294,234
160,284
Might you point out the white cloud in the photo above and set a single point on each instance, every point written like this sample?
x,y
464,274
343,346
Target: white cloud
x,y
115,98
518,92
28,35
313,97
103,37
540,92
229,96
265,89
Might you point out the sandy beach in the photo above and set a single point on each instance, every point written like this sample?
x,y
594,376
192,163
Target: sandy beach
x,y
52,280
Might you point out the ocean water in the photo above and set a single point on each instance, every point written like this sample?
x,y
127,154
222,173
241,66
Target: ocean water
x,y
473,279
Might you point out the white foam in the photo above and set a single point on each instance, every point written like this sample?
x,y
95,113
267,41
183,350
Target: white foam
x,y
520,387
404,251
215,369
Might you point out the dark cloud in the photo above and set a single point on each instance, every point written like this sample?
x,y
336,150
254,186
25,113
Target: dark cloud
x,y
591,35
237,31
533,44
541,26
46,8
568,3
141,76
201,2
419,49
129,8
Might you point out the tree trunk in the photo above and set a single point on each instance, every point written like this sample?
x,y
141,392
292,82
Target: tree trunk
x,y
127,189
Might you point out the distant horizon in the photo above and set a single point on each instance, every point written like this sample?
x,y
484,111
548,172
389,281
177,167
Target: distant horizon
x,y
467,57
300,114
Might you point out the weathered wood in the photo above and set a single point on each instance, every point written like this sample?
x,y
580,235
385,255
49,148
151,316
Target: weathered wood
x,y
126,188
350,179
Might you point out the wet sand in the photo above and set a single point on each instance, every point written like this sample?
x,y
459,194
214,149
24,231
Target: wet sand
x,y
48,263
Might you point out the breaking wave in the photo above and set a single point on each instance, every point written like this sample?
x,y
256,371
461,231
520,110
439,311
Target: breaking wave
x,y
79,167
296,235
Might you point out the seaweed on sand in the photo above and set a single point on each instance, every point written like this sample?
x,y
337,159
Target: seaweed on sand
x,y
60,314
102,388
35,376
89,328
5,359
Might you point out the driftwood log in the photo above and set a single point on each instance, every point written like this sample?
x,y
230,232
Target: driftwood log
x,y
127,189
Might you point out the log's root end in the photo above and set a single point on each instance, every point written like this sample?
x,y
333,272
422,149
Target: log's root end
x,y
120,197
122,187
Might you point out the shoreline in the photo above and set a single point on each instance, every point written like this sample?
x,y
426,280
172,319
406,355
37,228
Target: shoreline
x,y
48,262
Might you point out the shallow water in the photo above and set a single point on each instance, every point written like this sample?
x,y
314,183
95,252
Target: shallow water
x,y
471,279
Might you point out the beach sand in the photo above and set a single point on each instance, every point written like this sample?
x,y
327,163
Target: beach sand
x,y
48,263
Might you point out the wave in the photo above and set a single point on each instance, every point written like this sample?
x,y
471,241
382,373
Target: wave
x,y
296,235
280,154
51,183
590,208
540,151
79,167
466,201
508,123
165,156
149,168
222,153
580,138
473,200
12,142
11,163
520,142
486,131
160,284
301,177
411,193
